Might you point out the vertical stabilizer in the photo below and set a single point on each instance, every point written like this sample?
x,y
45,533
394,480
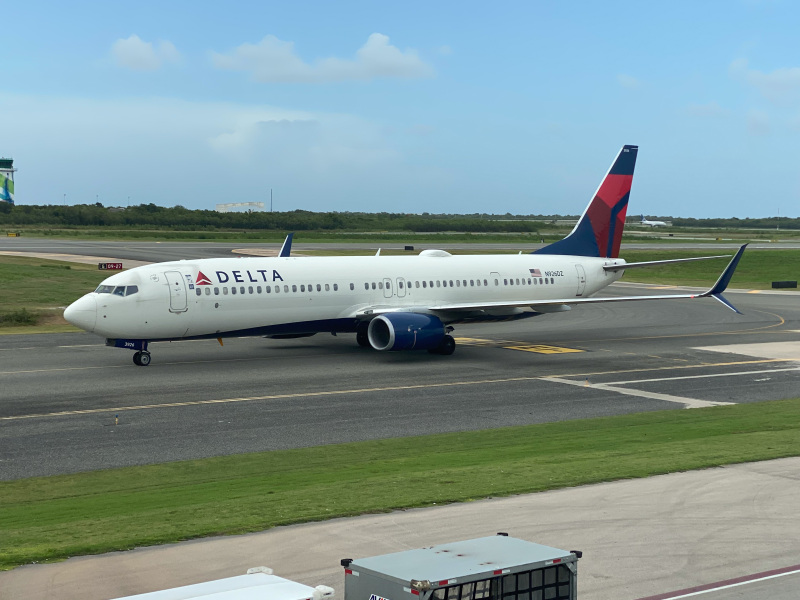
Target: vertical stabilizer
x,y
599,230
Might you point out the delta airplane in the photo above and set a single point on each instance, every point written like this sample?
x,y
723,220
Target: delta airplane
x,y
652,223
389,302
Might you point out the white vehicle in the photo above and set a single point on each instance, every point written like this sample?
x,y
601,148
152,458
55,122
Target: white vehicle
x,y
258,584
389,302
647,223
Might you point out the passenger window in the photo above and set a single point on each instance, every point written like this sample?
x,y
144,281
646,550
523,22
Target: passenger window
x,y
373,285
430,284
225,291
268,289
486,283
517,281
335,287
277,289
250,289
472,283
388,286
451,283
458,283
366,286
400,284
294,288
319,288
496,282
535,282
216,291
328,287
437,283
258,289
286,289
416,284
208,291
505,281
444,283
552,280
380,285
465,283
302,288
198,291
424,284
233,291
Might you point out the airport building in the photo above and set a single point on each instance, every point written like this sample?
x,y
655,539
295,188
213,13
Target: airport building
x,y
7,180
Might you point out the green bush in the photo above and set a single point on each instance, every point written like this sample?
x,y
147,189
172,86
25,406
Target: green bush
x,y
23,316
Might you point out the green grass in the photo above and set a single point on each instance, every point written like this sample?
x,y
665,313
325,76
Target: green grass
x,y
34,289
757,268
53,518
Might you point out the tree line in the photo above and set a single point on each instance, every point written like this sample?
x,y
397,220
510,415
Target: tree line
x,y
152,216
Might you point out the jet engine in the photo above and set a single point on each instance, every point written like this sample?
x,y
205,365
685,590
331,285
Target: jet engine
x,y
405,331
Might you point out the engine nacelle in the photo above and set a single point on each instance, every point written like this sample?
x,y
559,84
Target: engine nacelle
x,y
405,331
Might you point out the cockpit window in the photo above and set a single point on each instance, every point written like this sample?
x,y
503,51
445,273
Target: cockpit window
x,y
119,290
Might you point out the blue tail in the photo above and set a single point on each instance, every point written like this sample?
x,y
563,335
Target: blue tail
x,y
599,230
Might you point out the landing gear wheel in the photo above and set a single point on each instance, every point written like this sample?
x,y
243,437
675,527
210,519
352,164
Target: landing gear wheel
x,y
361,335
446,347
141,359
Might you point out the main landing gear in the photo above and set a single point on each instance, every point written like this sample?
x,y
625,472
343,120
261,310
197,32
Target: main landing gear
x,y
446,347
141,358
361,335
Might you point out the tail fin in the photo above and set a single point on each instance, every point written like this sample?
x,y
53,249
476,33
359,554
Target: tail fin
x,y
599,230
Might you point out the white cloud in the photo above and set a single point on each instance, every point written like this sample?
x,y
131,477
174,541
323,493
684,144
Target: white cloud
x,y
134,53
780,86
708,110
196,153
758,123
627,81
273,60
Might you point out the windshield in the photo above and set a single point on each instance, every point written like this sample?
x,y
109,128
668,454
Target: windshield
x,y
119,290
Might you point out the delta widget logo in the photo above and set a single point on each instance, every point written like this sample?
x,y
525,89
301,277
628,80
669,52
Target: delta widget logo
x,y
202,279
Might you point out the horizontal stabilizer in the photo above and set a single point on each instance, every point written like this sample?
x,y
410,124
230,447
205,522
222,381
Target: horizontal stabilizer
x,y
651,263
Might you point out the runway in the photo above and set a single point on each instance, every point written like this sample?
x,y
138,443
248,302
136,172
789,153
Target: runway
x,y
68,403
163,251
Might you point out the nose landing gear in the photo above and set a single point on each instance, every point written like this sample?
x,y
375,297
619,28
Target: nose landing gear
x,y
141,358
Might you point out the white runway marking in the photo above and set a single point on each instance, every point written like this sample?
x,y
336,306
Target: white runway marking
x,y
687,402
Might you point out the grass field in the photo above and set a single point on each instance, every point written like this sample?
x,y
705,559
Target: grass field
x,y
36,290
53,518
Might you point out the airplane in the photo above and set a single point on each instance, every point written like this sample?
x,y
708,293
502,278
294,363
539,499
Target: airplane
x,y
652,223
391,303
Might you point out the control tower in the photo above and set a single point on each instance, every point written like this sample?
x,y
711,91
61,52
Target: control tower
x,y
7,180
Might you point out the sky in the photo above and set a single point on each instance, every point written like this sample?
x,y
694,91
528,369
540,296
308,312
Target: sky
x,y
409,107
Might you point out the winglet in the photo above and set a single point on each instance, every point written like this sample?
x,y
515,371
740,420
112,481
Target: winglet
x,y
724,280
286,249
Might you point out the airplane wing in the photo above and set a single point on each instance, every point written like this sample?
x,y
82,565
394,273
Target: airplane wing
x,y
558,305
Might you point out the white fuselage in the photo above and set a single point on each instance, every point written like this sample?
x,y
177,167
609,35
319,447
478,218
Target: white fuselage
x,y
305,294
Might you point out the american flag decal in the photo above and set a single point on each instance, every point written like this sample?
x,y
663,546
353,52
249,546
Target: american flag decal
x,y
535,273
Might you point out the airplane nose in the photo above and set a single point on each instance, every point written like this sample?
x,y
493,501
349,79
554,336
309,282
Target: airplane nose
x,y
83,312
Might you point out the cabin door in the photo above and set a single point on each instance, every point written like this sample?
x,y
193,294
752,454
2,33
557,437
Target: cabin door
x,y
387,288
581,279
177,291
401,287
